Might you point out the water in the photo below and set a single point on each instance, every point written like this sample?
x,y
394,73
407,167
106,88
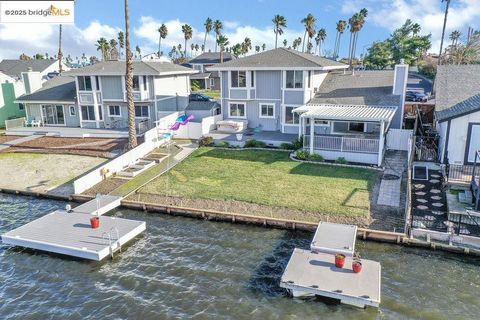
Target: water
x,y
185,268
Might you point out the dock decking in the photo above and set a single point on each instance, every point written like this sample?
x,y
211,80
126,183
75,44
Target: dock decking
x,y
105,204
334,238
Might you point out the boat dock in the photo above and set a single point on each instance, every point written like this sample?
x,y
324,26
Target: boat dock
x,y
70,233
313,272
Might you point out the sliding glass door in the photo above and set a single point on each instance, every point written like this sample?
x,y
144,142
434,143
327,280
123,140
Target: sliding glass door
x,y
53,115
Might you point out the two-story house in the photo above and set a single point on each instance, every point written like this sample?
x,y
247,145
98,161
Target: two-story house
x,y
205,78
95,96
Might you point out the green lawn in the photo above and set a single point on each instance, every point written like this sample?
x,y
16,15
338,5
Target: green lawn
x,y
268,178
211,93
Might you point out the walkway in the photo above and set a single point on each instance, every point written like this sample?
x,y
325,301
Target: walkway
x,y
7,145
395,164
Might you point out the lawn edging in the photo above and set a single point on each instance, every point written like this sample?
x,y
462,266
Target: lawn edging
x,y
245,149
293,158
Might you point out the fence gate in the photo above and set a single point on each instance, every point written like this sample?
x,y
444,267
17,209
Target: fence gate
x,y
397,139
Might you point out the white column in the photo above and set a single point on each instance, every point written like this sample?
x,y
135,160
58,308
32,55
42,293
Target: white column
x,y
312,133
381,142
300,122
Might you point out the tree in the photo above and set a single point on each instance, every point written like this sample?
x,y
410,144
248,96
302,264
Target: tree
x,y
257,49
443,30
455,36
309,22
162,34
356,23
237,50
222,42
38,56
121,42
264,47
208,28
246,45
132,134
187,33
218,26
279,22
341,27
379,55
408,45
113,49
197,47
285,42
468,53
138,51
60,53
320,40
104,47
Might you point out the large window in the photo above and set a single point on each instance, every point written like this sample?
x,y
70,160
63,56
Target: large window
x,y
239,79
290,117
237,110
114,111
141,112
294,79
84,83
356,126
136,83
267,110
88,113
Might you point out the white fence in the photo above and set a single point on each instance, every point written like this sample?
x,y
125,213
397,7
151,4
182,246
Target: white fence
x,y
14,123
195,130
343,144
398,139
152,141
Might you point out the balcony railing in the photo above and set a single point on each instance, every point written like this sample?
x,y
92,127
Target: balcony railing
x,y
461,173
342,144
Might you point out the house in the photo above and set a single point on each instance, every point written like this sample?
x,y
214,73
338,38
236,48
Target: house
x,y
457,112
94,96
283,90
203,109
206,78
13,84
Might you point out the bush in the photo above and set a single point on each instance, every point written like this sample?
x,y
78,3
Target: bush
x,y
195,85
252,143
297,143
341,160
303,154
205,142
315,157
288,146
224,144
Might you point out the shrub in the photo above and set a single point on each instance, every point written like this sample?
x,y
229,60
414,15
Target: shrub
x,y
224,144
195,85
315,157
252,143
303,154
341,160
297,143
205,142
288,146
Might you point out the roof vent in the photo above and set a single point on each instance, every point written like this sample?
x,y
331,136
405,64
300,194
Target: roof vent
x,y
29,69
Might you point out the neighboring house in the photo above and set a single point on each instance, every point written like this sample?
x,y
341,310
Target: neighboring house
x,y
46,67
285,90
457,112
208,79
95,96
203,109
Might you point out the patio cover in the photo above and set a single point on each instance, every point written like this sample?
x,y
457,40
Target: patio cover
x,y
360,113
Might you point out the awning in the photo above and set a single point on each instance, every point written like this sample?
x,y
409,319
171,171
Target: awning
x,y
361,113
200,76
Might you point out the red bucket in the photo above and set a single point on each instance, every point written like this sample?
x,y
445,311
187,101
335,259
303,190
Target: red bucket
x,y
339,260
95,222
356,266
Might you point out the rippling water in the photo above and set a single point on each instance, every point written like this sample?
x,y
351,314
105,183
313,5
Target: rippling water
x,y
185,268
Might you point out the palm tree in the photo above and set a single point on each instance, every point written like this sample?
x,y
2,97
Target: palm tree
x,y
309,23
285,42
416,29
264,47
187,33
113,49
132,134
356,23
197,47
162,34
121,42
443,30
454,36
139,51
60,54
320,39
341,27
218,26
280,22
104,47
208,28
257,49
222,42
246,45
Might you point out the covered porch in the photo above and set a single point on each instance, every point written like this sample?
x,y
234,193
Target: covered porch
x,y
353,132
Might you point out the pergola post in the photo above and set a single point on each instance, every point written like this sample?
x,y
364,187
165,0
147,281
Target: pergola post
x,y
312,133
300,122
381,142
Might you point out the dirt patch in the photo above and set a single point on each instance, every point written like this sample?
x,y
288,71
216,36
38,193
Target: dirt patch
x,y
4,138
106,186
97,147
240,207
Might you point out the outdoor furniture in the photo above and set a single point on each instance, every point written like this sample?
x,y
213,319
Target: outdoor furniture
x,y
232,126
36,123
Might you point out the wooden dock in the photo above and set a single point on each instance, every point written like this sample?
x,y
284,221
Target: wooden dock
x,y
334,238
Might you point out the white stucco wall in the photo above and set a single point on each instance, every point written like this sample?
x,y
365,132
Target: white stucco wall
x,y
172,85
458,137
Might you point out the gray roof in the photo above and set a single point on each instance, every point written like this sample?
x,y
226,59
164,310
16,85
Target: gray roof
x,y
454,84
198,76
143,68
211,58
363,88
464,107
280,58
60,88
347,112
14,67
202,105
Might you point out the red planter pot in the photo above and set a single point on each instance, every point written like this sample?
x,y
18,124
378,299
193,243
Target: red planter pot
x,y
339,260
95,222
356,266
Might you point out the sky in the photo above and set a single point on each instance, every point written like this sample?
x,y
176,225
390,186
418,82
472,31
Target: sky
x,y
245,18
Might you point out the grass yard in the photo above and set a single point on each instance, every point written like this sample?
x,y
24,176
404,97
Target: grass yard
x,y
211,93
268,178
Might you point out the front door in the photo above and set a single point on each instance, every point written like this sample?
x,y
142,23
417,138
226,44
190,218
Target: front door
x,y
53,115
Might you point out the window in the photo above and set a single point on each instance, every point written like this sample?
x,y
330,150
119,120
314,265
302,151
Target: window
x,y
212,82
145,83
217,111
356,126
322,123
237,110
100,112
114,111
141,112
72,111
239,79
294,79
252,79
267,110
290,117
84,83
88,113
21,106
97,81
309,78
136,83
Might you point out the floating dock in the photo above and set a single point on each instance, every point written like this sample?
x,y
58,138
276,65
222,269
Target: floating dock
x,y
334,238
70,233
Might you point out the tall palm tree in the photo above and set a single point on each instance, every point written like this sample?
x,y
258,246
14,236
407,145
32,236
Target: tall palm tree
x,y
60,54
246,45
356,23
197,47
321,36
113,49
309,22
132,134
280,22
264,47
341,27
162,34
285,42
208,28
138,51
104,47
443,30
187,34
454,36
121,42
257,49
222,42
217,26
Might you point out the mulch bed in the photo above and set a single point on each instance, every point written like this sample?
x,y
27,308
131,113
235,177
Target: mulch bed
x,y
5,138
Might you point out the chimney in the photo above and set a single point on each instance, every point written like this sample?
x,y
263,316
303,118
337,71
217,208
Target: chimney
x,y
32,81
400,80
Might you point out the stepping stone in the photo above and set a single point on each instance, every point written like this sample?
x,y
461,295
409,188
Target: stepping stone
x,y
435,191
437,204
420,193
419,186
422,207
434,181
436,198
435,176
422,200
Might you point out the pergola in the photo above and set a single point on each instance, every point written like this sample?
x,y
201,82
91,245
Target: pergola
x,y
382,115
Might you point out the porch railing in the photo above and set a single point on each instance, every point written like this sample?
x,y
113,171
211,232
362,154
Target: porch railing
x,y
342,144
461,173
14,123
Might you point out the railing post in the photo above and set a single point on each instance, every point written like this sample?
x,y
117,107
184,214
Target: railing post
x,y
341,144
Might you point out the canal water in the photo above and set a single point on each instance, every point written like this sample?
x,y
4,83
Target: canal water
x,y
184,268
